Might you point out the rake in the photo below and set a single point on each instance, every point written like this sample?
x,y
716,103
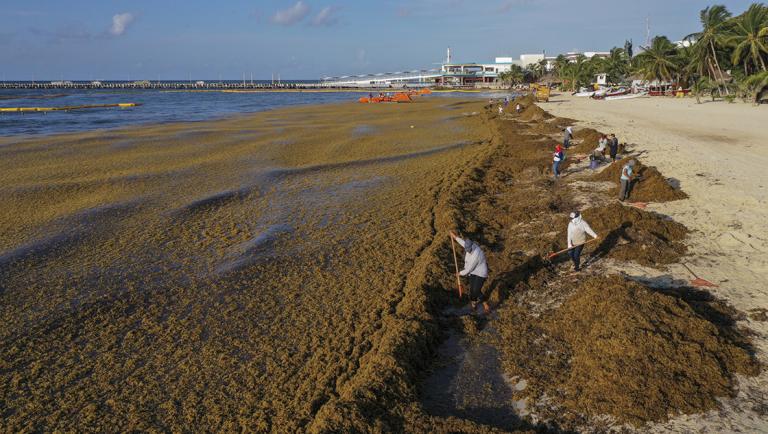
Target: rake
x,y
698,281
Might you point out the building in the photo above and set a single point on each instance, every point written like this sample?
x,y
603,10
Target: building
x,y
472,74
453,73
531,59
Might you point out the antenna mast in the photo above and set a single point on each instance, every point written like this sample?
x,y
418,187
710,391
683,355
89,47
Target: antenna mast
x,y
647,31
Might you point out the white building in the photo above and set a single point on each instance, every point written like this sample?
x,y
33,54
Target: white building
x,y
530,59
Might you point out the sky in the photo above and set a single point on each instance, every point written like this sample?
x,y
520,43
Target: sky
x,y
311,39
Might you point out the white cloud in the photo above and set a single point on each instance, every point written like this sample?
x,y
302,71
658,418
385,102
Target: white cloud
x,y
292,15
326,17
120,23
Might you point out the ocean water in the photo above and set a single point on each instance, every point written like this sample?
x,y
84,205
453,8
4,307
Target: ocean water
x,y
157,107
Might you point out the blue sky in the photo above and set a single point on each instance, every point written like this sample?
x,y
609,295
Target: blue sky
x,y
308,39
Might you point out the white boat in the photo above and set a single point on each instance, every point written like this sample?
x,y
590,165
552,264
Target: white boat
x,y
600,94
627,96
584,92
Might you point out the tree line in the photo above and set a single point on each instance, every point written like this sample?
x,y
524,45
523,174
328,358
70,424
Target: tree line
x,y
727,58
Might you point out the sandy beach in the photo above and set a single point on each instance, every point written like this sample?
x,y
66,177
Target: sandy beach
x,y
291,271
714,151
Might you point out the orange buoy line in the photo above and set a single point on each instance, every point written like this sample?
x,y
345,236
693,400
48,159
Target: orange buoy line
x,y
66,108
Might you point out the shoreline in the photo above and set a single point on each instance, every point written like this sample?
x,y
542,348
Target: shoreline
x,y
224,116
369,367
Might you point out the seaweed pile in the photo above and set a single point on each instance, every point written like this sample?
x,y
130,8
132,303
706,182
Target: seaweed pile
x,y
651,187
615,347
597,350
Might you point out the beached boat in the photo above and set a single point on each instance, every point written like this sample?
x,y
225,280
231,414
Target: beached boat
x,y
617,92
610,92
599,94
626,96
584,92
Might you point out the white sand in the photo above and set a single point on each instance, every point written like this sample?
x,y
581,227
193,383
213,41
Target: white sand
x,y
718,152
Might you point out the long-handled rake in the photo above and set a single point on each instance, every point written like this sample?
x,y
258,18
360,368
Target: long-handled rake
x,y
698,281
550,256
456,264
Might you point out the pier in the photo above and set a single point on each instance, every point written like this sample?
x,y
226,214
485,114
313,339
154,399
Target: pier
x,y
162,85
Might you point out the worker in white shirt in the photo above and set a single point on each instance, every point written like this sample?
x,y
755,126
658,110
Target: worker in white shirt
x,y
475,268
577,236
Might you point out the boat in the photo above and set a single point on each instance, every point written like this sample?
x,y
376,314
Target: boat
x,y
584,92
626,96
610,92
600,94
617,92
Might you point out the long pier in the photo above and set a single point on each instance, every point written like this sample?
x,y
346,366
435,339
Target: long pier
x,y
163,85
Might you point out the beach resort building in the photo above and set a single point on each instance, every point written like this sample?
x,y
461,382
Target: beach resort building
x,y
471,74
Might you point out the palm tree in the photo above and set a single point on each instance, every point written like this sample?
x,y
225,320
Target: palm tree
x,y
755,84
577,72
686,60
617,65
515,75
658,62
700,86
505,78
714,22
749,38
628,49
559,64
535,71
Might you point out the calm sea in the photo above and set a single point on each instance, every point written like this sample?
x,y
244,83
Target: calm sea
x,y
157,107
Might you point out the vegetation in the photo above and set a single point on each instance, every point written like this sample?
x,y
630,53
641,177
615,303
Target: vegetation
x,y
515,75
726,57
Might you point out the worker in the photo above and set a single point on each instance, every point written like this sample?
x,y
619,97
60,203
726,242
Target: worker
x,y
518,108
557,158
577,236
475,268
506,101
501,109
627,175
599,152
613,146
568,135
